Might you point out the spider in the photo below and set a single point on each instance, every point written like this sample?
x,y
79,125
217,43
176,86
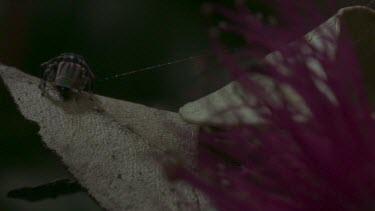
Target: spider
x,y
67,72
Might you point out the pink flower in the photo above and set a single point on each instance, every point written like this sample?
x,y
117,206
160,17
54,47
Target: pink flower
x,y
321,157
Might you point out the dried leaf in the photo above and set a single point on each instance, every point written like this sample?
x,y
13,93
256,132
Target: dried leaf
x,y
110,145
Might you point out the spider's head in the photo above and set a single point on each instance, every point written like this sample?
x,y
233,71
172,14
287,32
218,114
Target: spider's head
x,y
64,92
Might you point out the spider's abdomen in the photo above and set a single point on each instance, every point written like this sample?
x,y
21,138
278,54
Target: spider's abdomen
x,y
70,75
67,72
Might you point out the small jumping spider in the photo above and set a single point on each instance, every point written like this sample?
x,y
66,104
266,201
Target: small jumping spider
x,y
67,72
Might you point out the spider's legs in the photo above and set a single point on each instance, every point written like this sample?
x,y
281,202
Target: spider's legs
x,y
91,80
43,69
90,85
45,75
42,84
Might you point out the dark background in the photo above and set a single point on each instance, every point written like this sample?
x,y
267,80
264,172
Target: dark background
x,y
115,36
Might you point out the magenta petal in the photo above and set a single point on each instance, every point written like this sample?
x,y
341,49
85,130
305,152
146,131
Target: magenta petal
x,y
324,162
